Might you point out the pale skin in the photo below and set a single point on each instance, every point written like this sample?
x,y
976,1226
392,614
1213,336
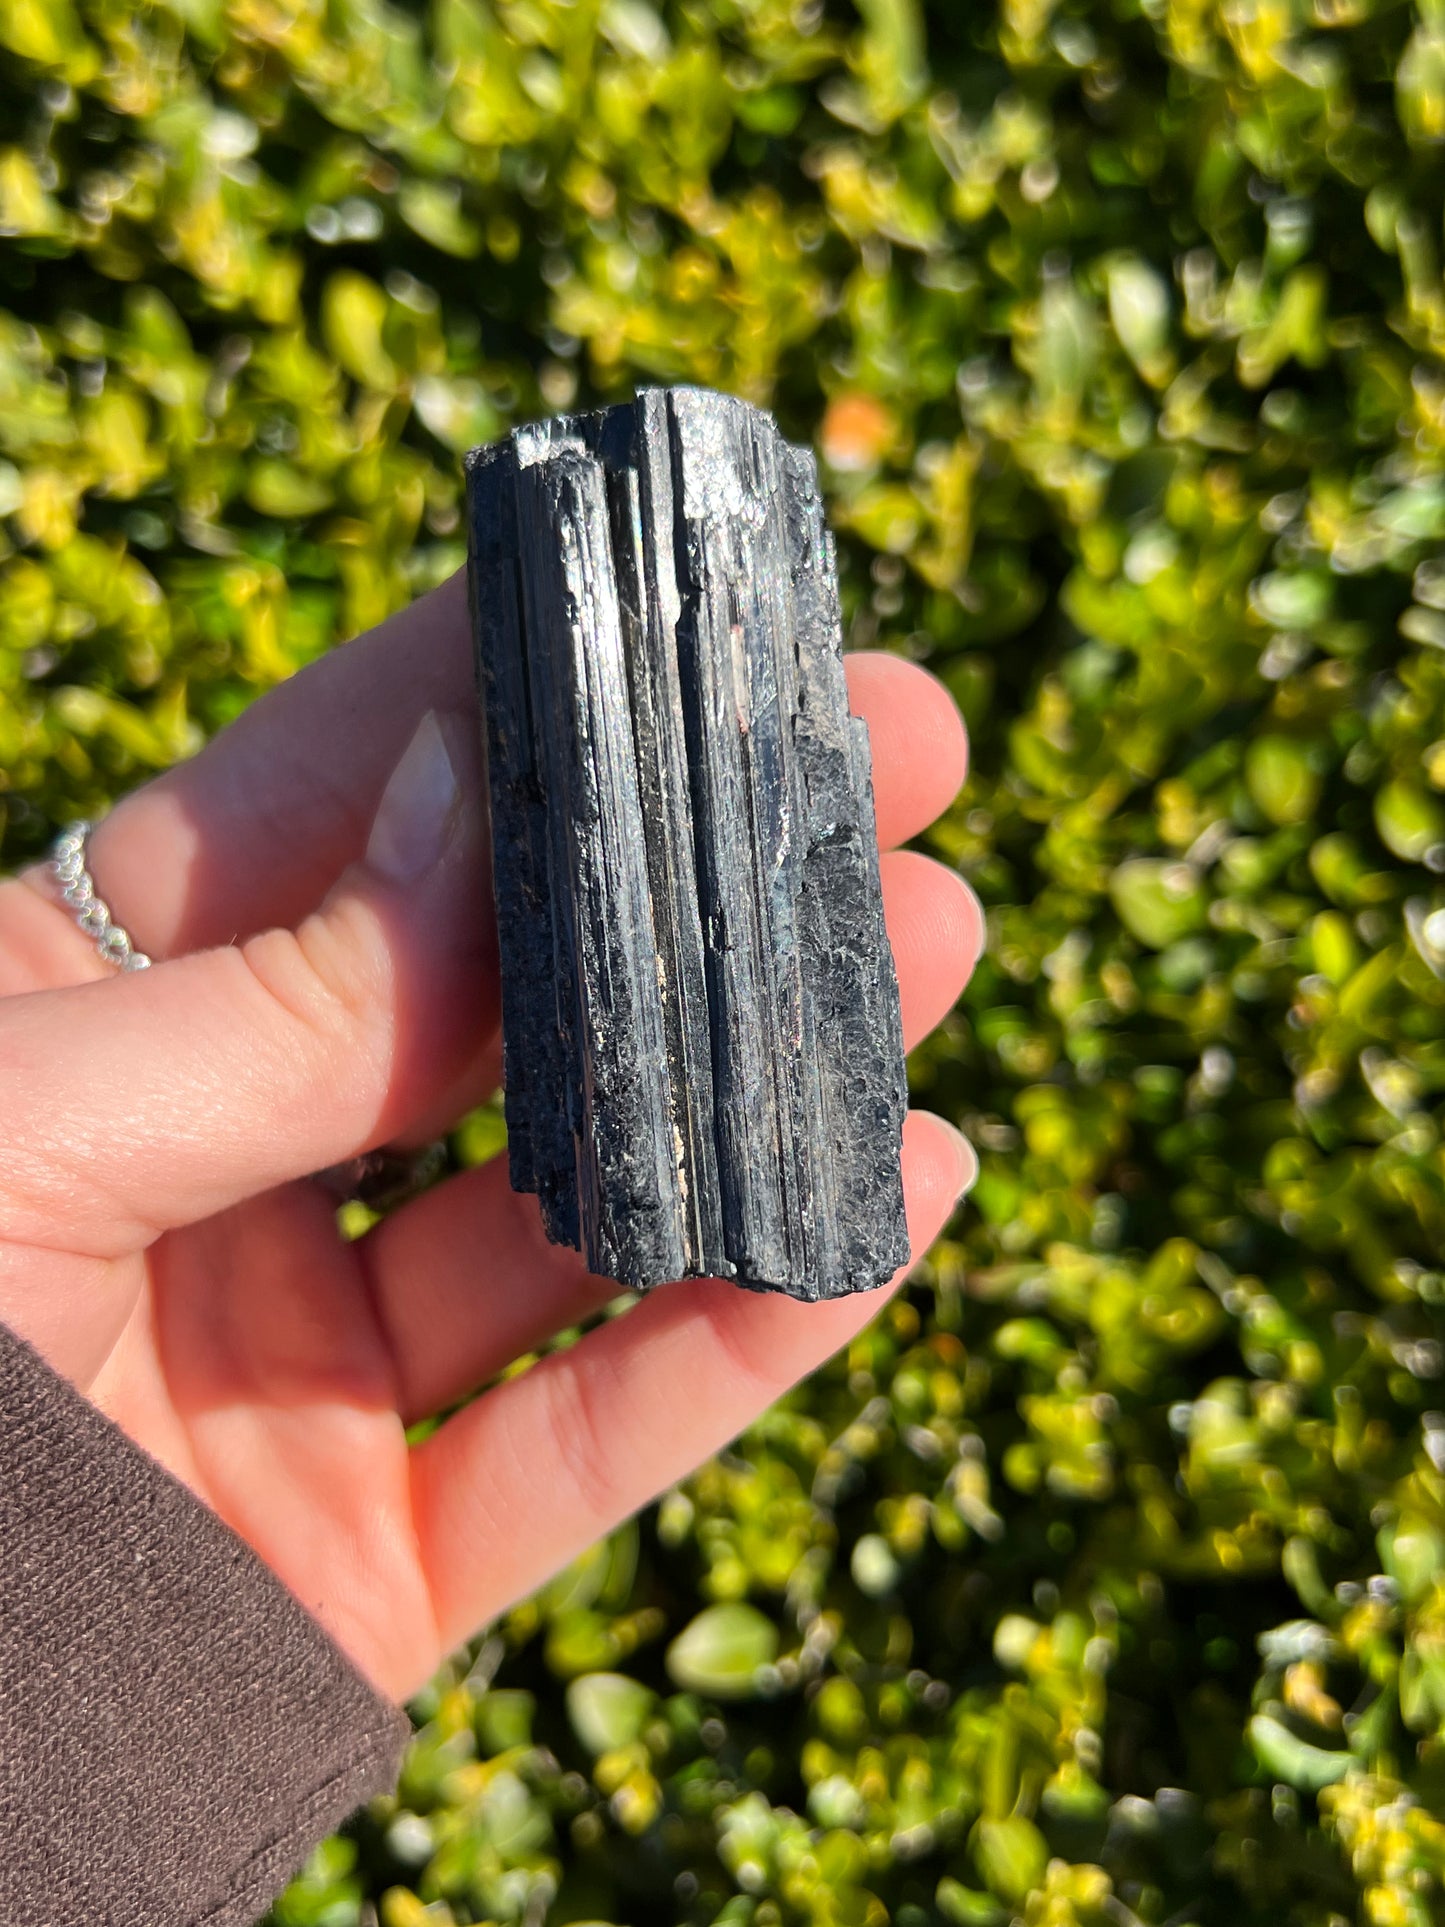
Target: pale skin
x,y
313,887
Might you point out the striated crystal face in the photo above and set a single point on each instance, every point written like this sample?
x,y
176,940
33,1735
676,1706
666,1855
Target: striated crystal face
x,y
704,1060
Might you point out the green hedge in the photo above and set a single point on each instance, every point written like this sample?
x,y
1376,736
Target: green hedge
x,y
1104,1579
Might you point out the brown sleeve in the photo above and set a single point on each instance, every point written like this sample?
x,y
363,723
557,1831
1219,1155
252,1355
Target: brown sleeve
x,y
176,1731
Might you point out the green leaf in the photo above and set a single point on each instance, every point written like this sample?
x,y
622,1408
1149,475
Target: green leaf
x,y
1156,901
720,1652
1411,822
1140,313
1293,1760
274,487
1011,1854
607,1710
433,209
1283,778
353,311
892,60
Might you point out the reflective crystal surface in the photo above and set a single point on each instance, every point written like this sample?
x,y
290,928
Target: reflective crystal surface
x,y
704,1062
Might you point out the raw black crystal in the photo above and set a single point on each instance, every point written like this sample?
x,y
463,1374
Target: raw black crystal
x,y
704,1062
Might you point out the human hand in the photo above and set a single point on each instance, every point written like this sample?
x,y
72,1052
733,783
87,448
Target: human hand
x,y
316,884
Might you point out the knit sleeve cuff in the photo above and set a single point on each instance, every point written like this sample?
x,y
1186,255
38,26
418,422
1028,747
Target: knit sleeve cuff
x,y
176,1731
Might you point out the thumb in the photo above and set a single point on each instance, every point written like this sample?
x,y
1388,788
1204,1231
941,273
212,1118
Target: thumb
x,y
154,1099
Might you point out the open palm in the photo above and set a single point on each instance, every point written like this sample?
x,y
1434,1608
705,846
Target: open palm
x,y
316,886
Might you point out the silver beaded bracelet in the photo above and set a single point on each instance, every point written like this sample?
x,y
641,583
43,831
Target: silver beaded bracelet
x,y
77,889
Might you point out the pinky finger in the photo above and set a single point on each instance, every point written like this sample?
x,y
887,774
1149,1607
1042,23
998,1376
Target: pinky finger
x,y
521,1481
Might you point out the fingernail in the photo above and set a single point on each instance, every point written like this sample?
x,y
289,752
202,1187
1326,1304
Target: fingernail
x,y
966,1155
978,905
418,808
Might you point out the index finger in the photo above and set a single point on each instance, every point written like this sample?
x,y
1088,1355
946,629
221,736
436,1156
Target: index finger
x,y
251,834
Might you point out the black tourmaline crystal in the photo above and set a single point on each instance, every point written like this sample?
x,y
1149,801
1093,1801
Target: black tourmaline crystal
x,y
704,1063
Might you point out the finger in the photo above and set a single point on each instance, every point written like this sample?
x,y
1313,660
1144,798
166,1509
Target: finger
x,y
454,1319
934,919
936,931
251,833
919,743
154,1099
463,1280
516,1484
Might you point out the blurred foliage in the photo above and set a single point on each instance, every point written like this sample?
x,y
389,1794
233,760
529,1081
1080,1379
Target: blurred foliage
x,y
1103,1581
